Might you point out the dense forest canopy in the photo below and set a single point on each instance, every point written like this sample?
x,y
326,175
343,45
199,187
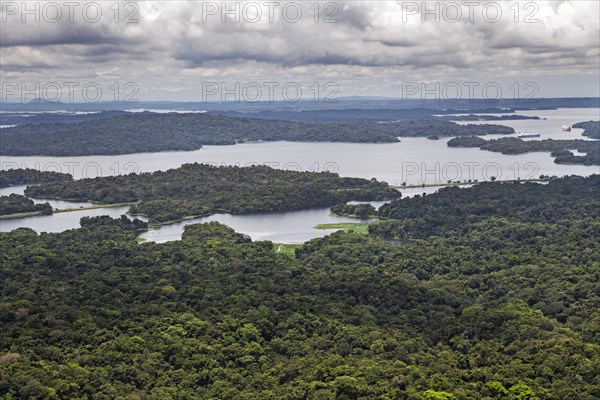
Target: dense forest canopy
x,y
200,189
123,223
440,127
503,308
150,132
15,204
29,176
354,210
446,211
562,150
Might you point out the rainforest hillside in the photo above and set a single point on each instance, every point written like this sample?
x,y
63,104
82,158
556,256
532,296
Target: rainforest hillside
x,y
451,210
505,307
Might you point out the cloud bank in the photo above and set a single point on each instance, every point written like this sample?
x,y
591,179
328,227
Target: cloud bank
x,y
366,47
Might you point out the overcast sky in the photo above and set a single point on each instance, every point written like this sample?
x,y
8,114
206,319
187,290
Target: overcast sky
x,y
173,50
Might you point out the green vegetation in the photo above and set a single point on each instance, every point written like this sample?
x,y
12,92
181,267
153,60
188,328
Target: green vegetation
x,y
591,129
358,227
30,176
17,204
560,149
123,223
95,207
488,305
287,249
354,210
200,190
467,141
470,182
46,211
148,132
440,127
21,215
448,210
214,231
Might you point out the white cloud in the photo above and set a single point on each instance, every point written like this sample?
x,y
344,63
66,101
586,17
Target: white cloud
x,y
178,44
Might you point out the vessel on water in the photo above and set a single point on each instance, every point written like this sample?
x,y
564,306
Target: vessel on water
x,y
522,135
566,128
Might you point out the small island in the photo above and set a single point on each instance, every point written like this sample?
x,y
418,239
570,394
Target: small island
x,y
560,149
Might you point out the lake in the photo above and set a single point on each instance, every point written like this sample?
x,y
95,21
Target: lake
x,y
281,227
286,227
414,161
58,222
56,204
551,127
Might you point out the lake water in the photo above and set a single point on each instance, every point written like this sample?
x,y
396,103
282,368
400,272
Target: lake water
x,y
56,204
288,227
551,127
58,222
280,227
413,160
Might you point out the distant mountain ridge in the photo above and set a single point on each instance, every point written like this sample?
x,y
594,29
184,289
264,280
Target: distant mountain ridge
x,y
340,103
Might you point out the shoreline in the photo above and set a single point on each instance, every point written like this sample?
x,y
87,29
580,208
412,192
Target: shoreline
x,y
466,183
64,210
154,225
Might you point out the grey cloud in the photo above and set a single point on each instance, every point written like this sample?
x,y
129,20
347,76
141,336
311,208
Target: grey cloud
x,y
352,15
398,43
31,67
172,43
74,36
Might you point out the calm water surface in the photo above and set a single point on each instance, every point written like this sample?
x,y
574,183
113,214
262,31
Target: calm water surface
x,y
281,227
56,204
413,160
58,222
551,126
287,227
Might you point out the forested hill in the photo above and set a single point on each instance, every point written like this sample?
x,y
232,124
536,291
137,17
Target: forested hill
x,y
505,308
452,209
200,189
29,176
151,132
